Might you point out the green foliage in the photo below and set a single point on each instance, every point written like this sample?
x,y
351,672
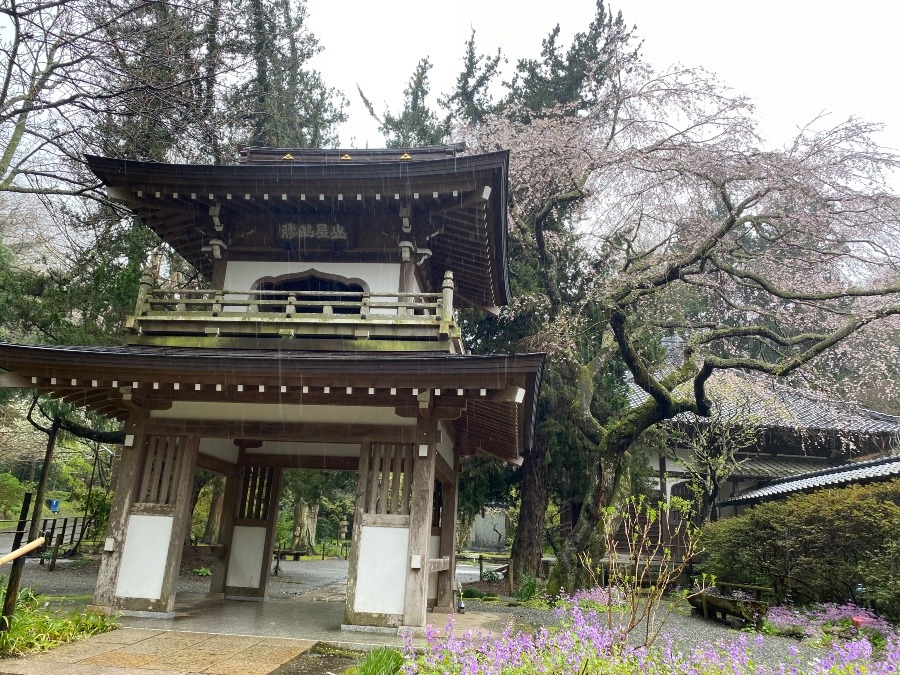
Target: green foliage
x,y
416,124
880,576
202,572
284,103
95,505
380,661
35,629
527,588
814,547
490,575
11,494
569,77
473,593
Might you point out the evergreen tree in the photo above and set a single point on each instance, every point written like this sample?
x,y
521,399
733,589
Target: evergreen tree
x,y
416,124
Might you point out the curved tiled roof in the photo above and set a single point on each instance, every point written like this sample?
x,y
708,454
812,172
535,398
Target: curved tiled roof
x,y
881,469
779,406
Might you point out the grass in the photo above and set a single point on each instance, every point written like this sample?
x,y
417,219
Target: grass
x,y
379,661
36,628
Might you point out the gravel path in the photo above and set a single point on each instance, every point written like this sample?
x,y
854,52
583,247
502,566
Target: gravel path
x,y
323,580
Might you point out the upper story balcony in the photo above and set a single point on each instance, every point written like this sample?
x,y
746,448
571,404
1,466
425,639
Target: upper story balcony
x,y
303,320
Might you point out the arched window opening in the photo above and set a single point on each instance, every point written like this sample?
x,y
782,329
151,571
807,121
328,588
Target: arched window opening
x,y
326,293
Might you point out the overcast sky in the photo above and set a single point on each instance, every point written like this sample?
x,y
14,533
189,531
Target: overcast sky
x,y
794,58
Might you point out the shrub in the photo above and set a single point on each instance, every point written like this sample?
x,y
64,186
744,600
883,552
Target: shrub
x,y
527,588
490,575
813,548
473,593
880,576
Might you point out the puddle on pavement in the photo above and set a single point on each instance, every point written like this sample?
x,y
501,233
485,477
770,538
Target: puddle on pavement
x,y
322,659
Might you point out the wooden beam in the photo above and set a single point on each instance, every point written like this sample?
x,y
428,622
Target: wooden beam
x,y
286,431
215,464
321,462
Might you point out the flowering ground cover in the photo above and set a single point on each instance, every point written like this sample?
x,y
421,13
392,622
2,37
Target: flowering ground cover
x,y
581,643
825,623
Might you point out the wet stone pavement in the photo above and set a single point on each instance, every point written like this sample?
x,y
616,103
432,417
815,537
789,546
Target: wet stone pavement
x,y
155,652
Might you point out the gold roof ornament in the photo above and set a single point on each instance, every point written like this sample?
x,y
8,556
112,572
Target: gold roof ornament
x,y
405,155
288,157
345,157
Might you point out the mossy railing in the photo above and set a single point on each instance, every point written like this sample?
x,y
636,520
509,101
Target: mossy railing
x,y
331,320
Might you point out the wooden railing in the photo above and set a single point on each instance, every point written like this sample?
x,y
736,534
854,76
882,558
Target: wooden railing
x,y
316,319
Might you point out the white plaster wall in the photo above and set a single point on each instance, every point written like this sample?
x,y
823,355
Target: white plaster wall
x,y
146,548
434,552
241,275
381,570
245,562
221,448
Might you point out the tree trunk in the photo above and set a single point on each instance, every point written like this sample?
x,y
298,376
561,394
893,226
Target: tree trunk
x,y
312,521
301,514
526,550
211,531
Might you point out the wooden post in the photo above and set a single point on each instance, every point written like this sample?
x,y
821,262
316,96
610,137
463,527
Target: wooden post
x,y
365,451
447,297
425,452
55,553
509,577
480,567
143,291
15,574
445,604
23,521
226,529
128,472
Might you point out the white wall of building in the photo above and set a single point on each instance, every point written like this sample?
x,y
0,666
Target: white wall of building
x,y
381,570
245,562
242,275
146,548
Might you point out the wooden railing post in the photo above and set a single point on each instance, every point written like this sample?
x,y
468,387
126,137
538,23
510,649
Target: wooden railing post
x,y
447,297
291,307
143,291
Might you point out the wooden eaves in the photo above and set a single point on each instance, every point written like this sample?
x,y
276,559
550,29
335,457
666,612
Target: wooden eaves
x,y
490,401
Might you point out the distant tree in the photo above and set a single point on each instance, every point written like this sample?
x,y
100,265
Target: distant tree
x,y
416,124
11,494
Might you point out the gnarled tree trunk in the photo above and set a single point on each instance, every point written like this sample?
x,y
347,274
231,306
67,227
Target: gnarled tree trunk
x,y
526,550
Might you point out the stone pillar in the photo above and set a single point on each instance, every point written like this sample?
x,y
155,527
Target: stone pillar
x,y
252,532
425,449
445,604
148,522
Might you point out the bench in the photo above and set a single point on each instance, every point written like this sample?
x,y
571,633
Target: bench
x,y
712,603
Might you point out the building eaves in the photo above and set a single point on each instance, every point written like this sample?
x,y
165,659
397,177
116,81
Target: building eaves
x,y
883,468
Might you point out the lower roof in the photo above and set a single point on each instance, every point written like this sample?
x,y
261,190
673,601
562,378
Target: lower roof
x,y
883,468
490,401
